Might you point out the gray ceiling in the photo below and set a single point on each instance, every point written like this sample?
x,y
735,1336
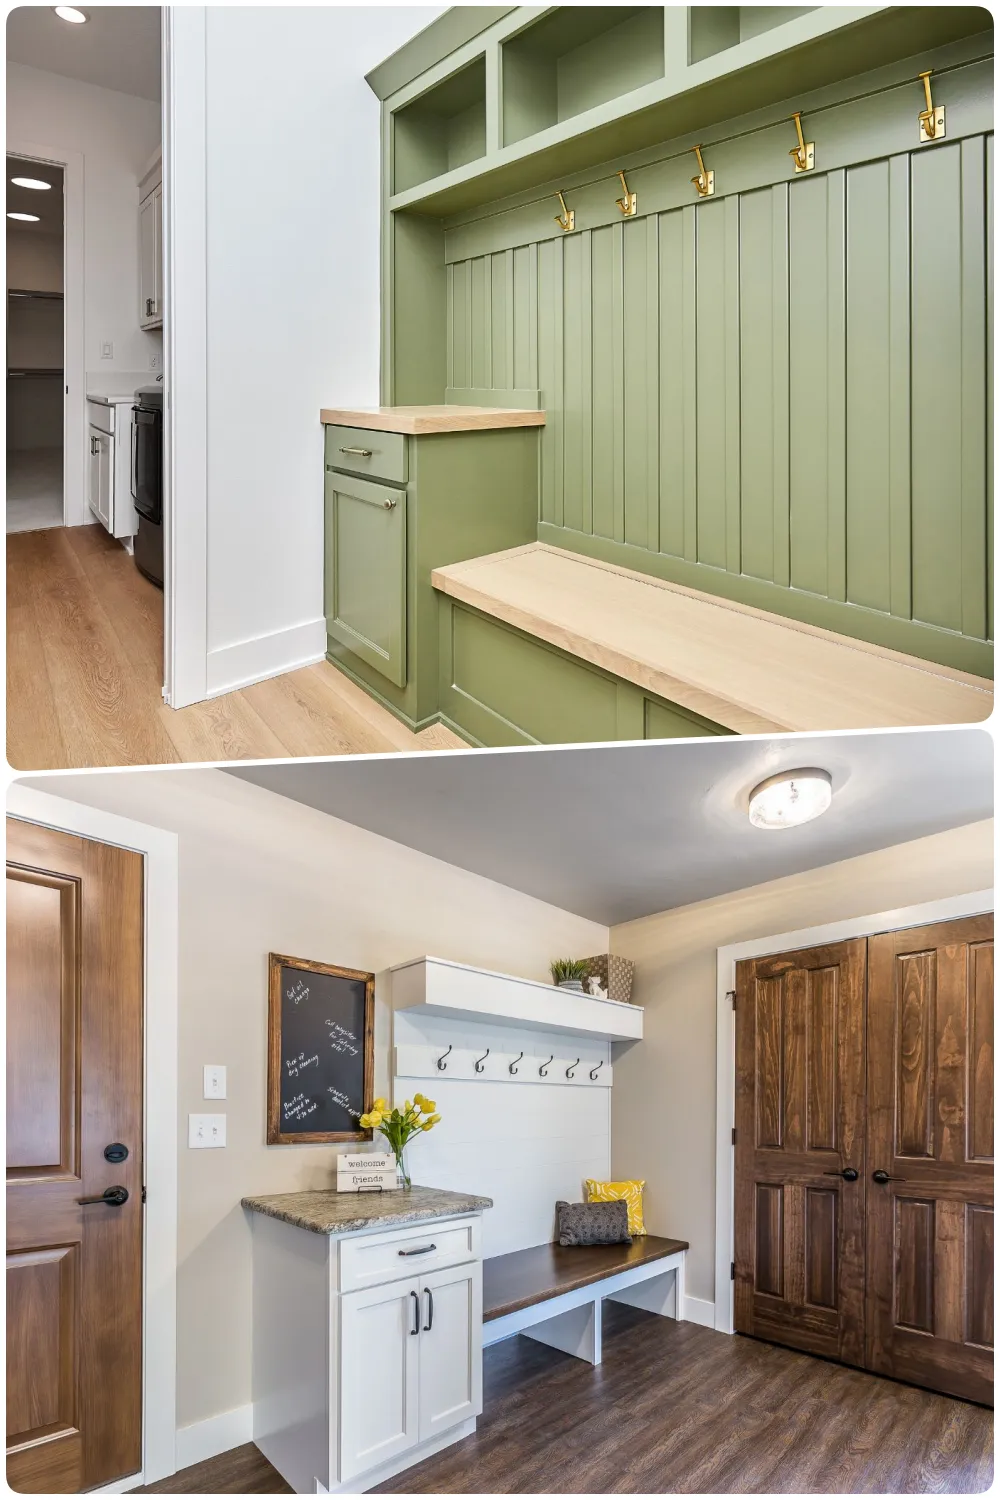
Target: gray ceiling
x,y
614,833
118,47
48,206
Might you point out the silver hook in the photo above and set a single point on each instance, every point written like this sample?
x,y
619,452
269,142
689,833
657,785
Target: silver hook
x,y
572,1068
441,1060
596,1070
512,1067
543,1071
479,1064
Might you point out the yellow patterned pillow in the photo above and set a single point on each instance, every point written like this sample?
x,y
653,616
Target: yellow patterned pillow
x,y
610,1192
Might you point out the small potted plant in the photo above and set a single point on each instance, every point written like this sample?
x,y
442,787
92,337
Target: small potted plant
x,y
569,973
399,1125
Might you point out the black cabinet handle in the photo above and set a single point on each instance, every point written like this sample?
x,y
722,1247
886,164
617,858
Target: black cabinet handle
x,y
849,1174
424,1250
114,1197
883,1177
430,1310
416,1313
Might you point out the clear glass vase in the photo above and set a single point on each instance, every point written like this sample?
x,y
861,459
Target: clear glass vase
x,y
402,1175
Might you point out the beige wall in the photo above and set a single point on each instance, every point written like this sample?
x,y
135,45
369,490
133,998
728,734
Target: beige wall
x,y
257,874
663,1101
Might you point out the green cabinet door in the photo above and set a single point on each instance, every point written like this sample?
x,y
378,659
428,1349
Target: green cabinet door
x,y
365,589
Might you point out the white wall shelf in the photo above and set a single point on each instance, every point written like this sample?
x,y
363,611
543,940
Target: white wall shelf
x,y
439,987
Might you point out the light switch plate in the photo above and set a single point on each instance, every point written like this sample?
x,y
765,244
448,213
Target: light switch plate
x,y
107,349
215,1081
206,1131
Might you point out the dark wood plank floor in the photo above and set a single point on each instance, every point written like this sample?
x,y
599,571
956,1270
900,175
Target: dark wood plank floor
x,y
682,1409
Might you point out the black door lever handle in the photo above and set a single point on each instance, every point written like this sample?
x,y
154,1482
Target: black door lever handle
x,y
849,1174
882,1177
114,1197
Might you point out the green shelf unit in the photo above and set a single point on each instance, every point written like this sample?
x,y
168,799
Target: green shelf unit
x,y
574,59
716,28
442,129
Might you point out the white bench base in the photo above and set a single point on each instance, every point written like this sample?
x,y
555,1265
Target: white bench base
x,y
571,1322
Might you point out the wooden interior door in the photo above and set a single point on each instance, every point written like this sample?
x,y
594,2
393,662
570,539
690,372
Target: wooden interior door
x,y
74,1089
930,1156
800,1149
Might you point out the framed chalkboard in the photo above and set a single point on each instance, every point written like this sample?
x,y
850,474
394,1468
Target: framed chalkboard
x,y
320,1051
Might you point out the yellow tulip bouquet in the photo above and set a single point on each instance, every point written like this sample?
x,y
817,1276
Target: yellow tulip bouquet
x,y
399,1125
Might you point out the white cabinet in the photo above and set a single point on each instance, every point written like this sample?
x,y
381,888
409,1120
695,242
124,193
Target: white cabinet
x,y
109,465
99,475
151,246
367,1349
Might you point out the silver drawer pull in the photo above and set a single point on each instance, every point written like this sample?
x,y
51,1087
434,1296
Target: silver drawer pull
x,y
424,1250
358,452
384,502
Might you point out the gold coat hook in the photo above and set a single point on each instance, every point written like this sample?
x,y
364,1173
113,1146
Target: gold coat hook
x,y
567,219
628,202
930,120
705,181
804,154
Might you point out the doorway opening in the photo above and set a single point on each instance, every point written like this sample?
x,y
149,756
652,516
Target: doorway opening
x,y
35,344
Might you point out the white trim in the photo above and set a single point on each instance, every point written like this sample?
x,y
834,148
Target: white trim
x,y
699,1310
185,347
201,1440
231,667
76,512
120,1486
944,910
159,849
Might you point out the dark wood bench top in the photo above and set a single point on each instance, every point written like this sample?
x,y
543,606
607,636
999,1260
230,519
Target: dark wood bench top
x,y
525,1277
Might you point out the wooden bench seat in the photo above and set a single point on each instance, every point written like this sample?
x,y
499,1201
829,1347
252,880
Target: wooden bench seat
x,y
742,668
553,1293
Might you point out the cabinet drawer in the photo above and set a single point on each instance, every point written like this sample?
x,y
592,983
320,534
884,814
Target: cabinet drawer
x,y
355,450
101,416
370,1259
366,572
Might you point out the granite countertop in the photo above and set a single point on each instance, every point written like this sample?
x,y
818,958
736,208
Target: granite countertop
x,y
329,1212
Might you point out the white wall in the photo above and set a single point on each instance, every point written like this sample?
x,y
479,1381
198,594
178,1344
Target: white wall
x,y
34,261
116,134
260,874
293,304
671,1140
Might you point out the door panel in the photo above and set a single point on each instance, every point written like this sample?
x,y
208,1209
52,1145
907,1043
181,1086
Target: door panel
x,y
380,1332
930,1127
799,1239
74,1079
366,572
451,1366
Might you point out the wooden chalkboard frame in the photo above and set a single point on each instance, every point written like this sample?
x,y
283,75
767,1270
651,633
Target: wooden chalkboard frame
x,y
275,1135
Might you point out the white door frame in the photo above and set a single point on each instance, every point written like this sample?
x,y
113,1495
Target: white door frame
x,y
75,508
159,1345
920,915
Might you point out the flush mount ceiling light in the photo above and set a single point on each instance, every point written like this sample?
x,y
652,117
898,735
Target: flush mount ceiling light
x,y
28,218
70,13
35,183
790,798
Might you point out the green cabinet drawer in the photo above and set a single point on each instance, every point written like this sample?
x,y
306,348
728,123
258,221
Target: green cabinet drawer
x,y
377,455
365,572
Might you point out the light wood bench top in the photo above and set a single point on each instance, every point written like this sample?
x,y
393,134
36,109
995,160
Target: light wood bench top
x,y
748,670
526,1277
418,420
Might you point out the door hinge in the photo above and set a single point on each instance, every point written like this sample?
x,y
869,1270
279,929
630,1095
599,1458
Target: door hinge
x,y
732,1270
731,997
734,1135
144,1192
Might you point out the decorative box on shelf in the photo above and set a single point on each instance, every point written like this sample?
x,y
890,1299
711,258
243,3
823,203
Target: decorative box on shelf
x,y
614,973
365,1172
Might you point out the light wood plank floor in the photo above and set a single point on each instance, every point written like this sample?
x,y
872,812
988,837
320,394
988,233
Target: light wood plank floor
x,y
84,672
677,1409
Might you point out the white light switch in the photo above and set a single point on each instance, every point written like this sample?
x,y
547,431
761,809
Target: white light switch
x,y
205,1131
215,1081
107,349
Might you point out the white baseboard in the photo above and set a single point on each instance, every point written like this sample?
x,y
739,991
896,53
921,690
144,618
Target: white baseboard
x,y
120,1486
201,1440
699,1310
232,667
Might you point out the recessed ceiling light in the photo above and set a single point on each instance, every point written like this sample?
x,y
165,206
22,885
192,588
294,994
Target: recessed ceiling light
x,y
35,183
70,13
790,798
29,218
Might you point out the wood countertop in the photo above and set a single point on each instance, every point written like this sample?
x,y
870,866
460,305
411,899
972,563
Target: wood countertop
x,y
748,670
526,1277
416,421
329,1212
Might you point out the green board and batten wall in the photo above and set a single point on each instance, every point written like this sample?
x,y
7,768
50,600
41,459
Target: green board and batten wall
x,y
782,393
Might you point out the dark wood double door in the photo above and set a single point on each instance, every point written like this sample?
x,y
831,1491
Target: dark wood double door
x,y
864,1153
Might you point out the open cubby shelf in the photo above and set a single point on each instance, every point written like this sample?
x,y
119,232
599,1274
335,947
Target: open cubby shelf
x,y
574,59
715,28
442,129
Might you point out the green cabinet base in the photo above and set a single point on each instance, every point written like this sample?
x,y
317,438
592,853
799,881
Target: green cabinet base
x,y
500,686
